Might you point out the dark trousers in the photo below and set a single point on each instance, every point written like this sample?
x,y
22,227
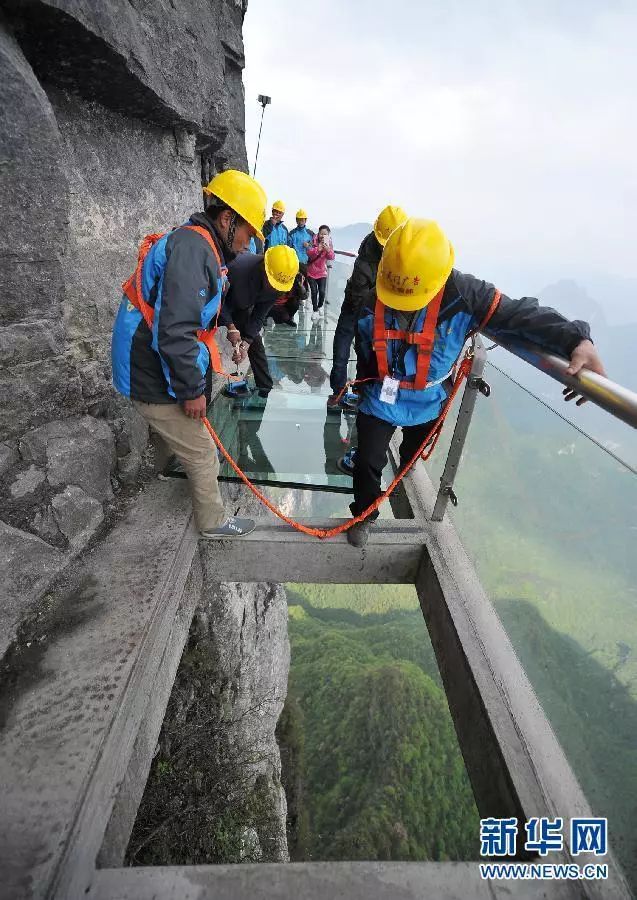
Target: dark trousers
x,y
256,352
317,288
343,337
286,311
373,440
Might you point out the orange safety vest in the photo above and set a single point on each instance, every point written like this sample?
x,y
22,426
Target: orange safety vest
x,y
132,288
422,340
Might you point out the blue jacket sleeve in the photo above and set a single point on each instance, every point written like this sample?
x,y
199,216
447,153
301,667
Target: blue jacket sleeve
x,y
189,283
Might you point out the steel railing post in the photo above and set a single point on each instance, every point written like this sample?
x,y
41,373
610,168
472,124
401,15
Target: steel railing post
x,y
475,383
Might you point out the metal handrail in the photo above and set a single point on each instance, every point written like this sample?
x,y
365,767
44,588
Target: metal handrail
x,y
613,398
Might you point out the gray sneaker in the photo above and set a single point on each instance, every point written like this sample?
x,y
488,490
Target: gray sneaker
x,y
358,535
233,527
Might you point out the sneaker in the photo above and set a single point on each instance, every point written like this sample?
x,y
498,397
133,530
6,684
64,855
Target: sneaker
x,y
233,527
350,400
316,316
346,463
236,389
358,535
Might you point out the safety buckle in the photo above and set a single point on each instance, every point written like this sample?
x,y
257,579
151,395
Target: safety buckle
x,y
479,384
448,491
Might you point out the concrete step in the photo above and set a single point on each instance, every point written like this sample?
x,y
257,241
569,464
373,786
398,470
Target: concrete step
x,y
320,881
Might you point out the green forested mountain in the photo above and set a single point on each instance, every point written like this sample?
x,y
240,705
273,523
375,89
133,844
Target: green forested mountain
x,y
550,522
380,775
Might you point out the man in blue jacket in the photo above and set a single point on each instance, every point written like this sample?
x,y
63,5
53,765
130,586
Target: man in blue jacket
x,y
275,232
163,341
301,238
411,336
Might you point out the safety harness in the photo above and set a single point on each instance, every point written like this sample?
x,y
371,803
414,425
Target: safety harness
x,y
422,340
132,288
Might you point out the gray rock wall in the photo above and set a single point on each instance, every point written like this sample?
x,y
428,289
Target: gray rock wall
x,y
112,113
216,777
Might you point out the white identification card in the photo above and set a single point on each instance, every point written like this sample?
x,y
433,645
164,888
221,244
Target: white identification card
x,y
389,390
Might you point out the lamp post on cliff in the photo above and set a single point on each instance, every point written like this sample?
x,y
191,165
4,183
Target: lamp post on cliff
x,y
263,100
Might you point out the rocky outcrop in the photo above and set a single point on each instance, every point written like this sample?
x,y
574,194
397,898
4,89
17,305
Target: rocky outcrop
x,y
214,794
113,112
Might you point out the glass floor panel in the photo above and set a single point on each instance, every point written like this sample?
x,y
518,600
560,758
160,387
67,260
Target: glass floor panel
x,y
289,438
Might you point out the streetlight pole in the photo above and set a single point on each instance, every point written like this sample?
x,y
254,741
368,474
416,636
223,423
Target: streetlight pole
x,y
263,100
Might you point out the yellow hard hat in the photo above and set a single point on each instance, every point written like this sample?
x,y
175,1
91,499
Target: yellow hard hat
x,y
242,194
279,205
416,262
281,267
301,214
387,220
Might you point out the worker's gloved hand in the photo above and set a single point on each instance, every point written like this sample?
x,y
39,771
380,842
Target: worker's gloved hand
x,y
195,409
585,356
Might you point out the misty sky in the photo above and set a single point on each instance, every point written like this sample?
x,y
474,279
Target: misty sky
x,y
512,122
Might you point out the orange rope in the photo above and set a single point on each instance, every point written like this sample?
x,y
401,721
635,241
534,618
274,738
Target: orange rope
x,y
434,433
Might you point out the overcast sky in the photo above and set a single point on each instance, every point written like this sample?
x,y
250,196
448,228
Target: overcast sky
x,y
512,122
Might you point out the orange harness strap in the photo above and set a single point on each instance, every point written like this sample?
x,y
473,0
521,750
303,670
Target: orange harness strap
x,y
132,288
422,340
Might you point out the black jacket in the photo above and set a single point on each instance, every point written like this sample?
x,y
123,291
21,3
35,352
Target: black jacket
x,y
248,290
360,289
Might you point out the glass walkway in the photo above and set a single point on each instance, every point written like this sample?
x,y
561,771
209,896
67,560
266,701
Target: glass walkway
x,y
548,516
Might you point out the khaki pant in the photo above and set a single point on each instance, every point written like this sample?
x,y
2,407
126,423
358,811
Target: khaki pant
x,y
189,440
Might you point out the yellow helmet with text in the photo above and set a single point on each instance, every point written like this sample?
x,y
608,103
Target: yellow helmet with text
x,y
242,194
281,267
416,262
387,220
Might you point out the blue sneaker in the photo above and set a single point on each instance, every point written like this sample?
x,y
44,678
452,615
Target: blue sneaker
x,y
235,389
350,400
346,463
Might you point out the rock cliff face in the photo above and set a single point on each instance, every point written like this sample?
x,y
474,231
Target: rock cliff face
x,y
214,794
113,113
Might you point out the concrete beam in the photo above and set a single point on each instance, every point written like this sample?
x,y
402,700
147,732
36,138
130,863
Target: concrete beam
x,y
319,881
275,552
74,701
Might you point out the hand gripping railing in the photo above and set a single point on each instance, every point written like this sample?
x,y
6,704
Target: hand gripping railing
x,y
610,396
613,398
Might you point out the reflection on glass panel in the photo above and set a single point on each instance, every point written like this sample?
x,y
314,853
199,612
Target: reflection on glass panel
x,y
550,520
289,436
286,437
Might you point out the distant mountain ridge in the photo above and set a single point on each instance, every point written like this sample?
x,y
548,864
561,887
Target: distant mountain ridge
x,y
349,237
